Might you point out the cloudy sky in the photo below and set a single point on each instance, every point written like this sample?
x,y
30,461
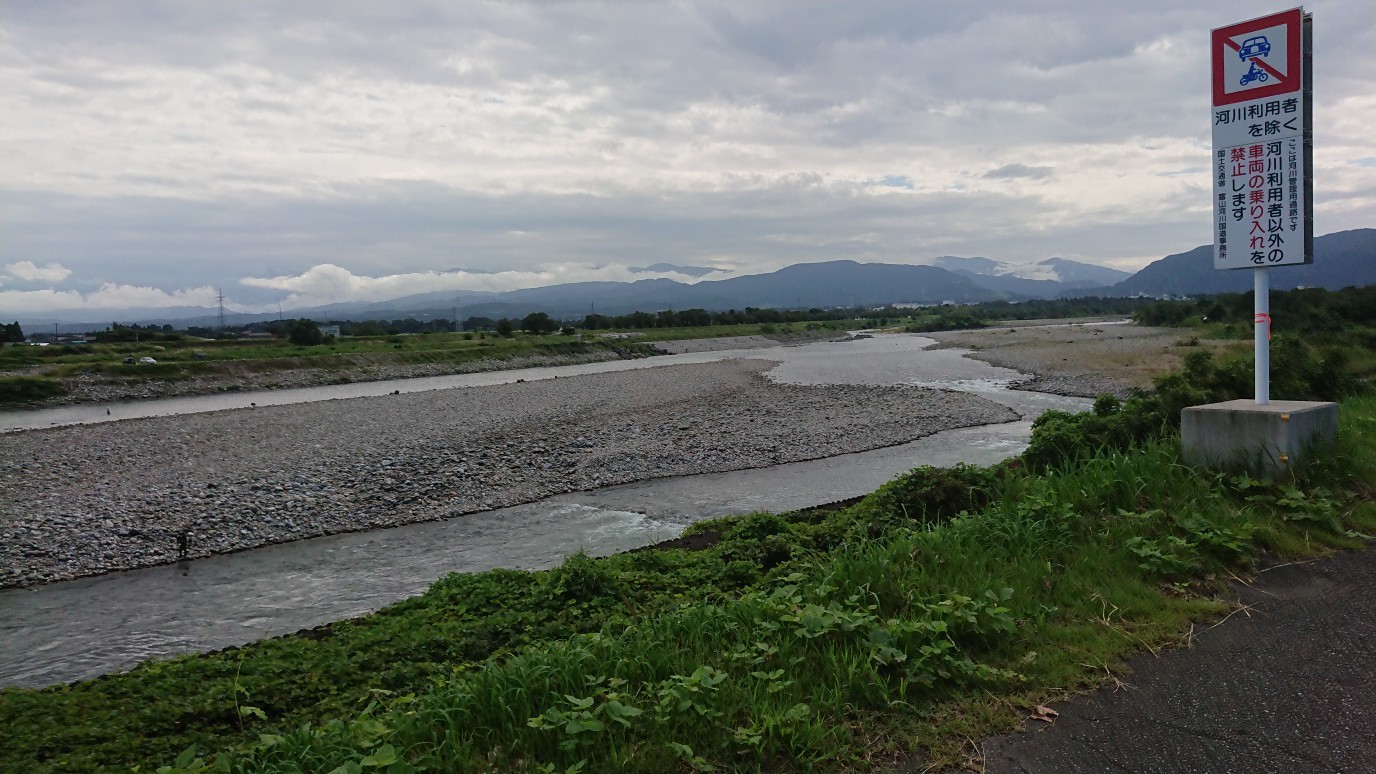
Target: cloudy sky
x,y
152,152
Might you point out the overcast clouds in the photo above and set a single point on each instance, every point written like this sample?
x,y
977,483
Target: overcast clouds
x,y
153,152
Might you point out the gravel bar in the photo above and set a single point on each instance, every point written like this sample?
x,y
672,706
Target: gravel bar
x,y
85,500
1081,359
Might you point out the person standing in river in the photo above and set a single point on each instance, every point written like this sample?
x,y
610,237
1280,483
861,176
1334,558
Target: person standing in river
x,y
183,544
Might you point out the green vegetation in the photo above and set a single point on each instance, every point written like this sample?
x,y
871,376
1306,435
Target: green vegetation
x,y
925,613
1338,327
1036,309
539,323
27,389
701,318
1307,310
944,319
1299,372
304,333
112,359
180,357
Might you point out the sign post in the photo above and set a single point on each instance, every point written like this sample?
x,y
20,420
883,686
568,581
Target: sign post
x,y
1263,157
1263,207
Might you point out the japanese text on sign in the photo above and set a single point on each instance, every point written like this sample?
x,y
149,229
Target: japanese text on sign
x,y
1258,190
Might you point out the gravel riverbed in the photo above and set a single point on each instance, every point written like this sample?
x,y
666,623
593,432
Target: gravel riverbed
x,y
85,500
1084,360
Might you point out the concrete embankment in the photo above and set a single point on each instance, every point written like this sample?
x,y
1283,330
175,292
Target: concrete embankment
x,y
79,501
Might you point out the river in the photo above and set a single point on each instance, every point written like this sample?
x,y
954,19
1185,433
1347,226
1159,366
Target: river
x,y
79,629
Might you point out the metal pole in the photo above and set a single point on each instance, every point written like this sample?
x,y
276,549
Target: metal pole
x,y
1261,287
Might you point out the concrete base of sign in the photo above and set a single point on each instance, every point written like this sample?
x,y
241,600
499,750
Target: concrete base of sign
x,y
1266,439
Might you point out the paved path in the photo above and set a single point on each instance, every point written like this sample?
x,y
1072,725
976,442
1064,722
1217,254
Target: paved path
x,y
1292,688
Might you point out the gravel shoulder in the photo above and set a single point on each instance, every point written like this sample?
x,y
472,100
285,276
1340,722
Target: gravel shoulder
x,y
85,500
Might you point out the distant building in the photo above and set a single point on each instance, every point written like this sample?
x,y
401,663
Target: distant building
x,y
329,330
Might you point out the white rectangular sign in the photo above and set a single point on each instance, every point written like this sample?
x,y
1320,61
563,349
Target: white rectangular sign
x,y
1261,134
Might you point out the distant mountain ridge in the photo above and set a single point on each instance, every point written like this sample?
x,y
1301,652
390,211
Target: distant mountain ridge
x,y
1341,259
669,268
1086,274
1045,279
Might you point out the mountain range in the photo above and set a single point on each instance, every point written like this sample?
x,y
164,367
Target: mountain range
x,y
1340,259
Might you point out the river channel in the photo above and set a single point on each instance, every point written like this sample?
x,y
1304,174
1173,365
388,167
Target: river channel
x,y
79,629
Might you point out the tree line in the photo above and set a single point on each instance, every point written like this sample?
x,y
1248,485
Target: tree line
x,y
1304,310
697,318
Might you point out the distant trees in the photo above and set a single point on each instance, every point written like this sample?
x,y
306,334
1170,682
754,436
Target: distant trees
x,y
364,328
1303,310
304,333
12,333
702,317
538,323
505,328
135,333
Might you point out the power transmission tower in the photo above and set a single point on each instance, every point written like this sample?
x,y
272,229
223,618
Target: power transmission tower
x,y
220,297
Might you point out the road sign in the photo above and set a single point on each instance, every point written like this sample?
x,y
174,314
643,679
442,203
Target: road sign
x,y
1262,130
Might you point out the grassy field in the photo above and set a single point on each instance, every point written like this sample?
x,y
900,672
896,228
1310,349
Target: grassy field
x,y
37,373
926,614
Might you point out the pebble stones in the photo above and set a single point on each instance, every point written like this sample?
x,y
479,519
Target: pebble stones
x,y
84,500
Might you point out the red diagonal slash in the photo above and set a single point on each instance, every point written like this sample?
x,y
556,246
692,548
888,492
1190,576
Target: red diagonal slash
x,y
1230,43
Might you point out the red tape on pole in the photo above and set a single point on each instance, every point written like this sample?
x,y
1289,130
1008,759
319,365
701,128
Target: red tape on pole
x,y
1261,317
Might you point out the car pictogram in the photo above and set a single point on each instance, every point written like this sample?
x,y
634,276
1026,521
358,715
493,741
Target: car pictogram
x,y
1253,47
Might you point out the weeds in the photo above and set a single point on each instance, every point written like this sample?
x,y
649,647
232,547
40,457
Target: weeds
x,y
926,611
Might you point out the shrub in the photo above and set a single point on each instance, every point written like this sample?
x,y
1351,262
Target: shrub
x,y
1299,372
28,389
304,333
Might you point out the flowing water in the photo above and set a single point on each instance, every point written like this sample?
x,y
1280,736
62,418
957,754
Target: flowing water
x,y
82,628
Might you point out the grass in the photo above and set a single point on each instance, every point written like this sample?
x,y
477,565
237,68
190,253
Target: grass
x,y
46,368
28,389
924,615
181,360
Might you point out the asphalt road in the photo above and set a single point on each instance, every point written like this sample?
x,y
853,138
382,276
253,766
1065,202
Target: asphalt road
x,y
1286,686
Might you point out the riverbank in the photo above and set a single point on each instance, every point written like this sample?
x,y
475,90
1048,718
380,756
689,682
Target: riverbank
x,y
1084,360
86,500
176,375
945,605
95,388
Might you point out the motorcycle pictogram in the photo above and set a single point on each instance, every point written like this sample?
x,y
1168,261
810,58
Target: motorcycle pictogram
x,y
1253,73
